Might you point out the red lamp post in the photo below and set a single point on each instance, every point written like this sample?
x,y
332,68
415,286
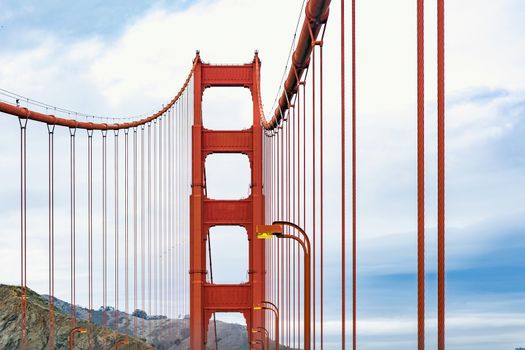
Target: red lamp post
x,y
273,308
72,335
276,229
264,331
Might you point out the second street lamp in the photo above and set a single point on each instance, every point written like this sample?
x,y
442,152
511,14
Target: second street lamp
x,y
257,342
276,229
275,311
122,341
72,335
265,335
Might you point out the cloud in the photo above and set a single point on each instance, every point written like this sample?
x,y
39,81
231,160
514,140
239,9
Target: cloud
x,y
143,61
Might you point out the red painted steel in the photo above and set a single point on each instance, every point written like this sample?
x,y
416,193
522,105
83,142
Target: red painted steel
x,y
420,175
354,173
316,15
25,113
441,172
207,298
23,231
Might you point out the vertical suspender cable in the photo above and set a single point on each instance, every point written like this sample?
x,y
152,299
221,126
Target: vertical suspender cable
x,y
314,200
180,277
288,126
420,175
281,214
172,225
51,240
149,224
304,174
126,227
183,149
277,214
160,218
441,173
175,210
354,174
173,218
170,229
293,218
299,179
321,195
274,215
72,180
23,229
135,221
104,229
181,212
163,244
116,312
155,217
166,246
187,167
173,214
143,227
181,209
90,236
343,183
167,228
178,211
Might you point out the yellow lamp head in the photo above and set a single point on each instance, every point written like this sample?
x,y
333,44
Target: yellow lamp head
x,y
268,231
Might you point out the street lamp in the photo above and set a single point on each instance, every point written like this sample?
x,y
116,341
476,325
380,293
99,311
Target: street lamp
x,y
72,334
276,229
275,311
265,334
257,342
122,341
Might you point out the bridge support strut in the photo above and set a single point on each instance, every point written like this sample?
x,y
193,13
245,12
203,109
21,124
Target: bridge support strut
x,y
207,298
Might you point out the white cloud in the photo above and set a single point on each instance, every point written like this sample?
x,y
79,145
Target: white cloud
x,y
139,70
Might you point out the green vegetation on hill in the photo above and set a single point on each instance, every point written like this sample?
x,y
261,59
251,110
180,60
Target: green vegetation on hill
x,y
38,333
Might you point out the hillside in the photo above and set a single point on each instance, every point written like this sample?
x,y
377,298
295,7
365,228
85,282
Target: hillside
x,y
159,331
38,328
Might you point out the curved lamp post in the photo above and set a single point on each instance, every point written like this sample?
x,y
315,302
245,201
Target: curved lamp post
x,y
275,311
257,342
122,341
72,335
276,230
265,334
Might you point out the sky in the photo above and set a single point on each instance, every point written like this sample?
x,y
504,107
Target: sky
x,y
121,58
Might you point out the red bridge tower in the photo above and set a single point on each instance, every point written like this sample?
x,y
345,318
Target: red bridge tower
x,y
207,298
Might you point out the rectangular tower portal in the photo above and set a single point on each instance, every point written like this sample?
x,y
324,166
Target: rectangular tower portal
x,y
207,298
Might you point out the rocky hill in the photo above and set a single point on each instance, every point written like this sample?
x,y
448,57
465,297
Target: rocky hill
x,y
157,331
38,325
